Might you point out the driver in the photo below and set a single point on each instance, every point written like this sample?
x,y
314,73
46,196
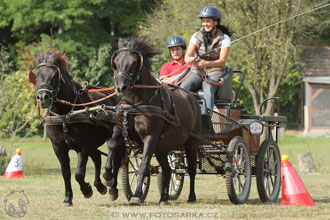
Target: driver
x,y
214,39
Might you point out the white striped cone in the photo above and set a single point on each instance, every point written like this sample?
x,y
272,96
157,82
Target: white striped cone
x,y
14,169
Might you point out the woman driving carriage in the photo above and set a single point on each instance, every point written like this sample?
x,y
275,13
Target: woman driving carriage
x,y
171,71
211,43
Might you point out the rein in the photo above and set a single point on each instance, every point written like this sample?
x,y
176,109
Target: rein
x,y
174,71
87,103
220,83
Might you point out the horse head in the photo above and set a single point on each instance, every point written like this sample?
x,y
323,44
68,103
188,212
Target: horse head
x,y
131,63
48,77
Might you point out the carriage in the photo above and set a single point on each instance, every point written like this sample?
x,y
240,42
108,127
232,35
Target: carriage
x,y
230,147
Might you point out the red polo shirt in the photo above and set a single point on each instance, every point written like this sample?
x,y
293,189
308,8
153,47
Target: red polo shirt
x,y
168,68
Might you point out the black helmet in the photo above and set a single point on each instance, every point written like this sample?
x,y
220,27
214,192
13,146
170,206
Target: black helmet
x,y
176,41
210,12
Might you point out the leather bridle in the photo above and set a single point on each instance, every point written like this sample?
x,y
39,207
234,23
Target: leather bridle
x,y
46,87
131,76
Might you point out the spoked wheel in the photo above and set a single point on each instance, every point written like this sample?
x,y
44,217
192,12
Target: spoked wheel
x,y
238,171
177,180
129,176
268,171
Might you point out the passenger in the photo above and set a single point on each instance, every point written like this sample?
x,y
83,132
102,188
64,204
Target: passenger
x,y
213,40
170,72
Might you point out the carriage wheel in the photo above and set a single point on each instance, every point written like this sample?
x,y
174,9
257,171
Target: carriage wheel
x,y
129,176
268,171
238,171
176,182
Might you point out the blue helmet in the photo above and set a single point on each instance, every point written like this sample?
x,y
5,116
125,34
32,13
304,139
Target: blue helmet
x,y
210,12
176,41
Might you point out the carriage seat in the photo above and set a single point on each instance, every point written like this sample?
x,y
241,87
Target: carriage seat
x,y
224,93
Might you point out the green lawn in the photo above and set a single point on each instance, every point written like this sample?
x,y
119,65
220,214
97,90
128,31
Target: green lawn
x,y
43,185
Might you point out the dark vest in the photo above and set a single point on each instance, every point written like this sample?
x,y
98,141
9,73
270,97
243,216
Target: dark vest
x,y
214,55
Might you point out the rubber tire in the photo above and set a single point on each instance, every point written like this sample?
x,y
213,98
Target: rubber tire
x,y
260,174
174,195
233,196
127,189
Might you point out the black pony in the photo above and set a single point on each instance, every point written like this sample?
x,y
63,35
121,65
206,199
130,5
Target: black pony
x,y
161,119
52,84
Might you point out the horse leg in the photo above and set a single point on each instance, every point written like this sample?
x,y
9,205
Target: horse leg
x,y
191,152
112,145
148,149
117,159
96,157
166,172
85,188
63,157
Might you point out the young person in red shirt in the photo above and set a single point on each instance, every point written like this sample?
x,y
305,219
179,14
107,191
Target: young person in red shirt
x,y
170,72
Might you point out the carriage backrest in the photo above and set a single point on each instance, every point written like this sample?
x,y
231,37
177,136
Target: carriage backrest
x,y
224,92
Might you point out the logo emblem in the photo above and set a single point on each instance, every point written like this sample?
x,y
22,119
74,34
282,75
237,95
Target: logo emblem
x,y
16,204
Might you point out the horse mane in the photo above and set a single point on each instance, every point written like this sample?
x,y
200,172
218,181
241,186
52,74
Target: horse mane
x,y
55,57
138,44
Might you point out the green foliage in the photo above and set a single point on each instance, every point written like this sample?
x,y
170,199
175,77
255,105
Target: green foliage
x,y
17,106
3,164
6,64
98,69
82,29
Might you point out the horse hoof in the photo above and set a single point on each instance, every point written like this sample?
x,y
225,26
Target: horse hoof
x,y
191,198
113,195
90,193
135,201
102,189
67,204
163,203
109,183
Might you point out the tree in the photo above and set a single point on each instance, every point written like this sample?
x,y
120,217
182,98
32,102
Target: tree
x,y
83,29
267,57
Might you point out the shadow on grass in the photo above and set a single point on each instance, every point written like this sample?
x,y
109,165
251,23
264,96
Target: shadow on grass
x,y
325,200
39,170
125,204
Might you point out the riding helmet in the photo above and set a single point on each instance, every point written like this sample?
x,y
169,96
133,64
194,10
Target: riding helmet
x,y
210,12
176,41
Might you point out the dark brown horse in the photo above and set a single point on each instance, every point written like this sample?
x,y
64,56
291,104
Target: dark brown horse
x,y
52,84
153,114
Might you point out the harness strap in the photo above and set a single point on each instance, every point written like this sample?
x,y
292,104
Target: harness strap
x,y
148,110
87,103
60,119
46,90
100,90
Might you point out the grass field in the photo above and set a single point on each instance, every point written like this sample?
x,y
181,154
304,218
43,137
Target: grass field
x,y
44,187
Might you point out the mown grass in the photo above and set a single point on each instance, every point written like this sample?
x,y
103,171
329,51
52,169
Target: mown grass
x,y
43,185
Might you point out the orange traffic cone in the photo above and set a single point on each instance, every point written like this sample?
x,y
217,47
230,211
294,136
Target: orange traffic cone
x,y
14,169
294,191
